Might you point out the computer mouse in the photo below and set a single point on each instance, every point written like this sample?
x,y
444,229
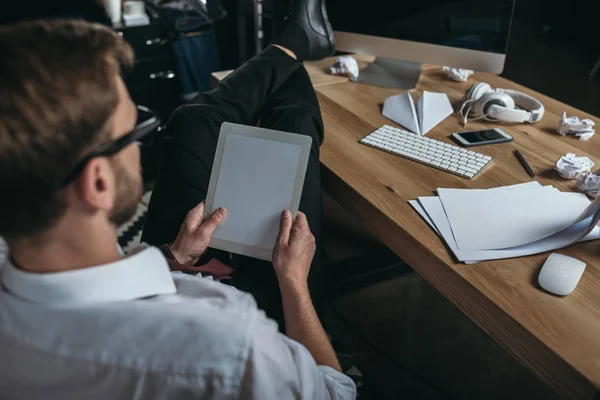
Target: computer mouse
x,y
560,274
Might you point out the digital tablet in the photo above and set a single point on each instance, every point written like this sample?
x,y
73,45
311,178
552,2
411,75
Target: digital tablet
x,y
257,173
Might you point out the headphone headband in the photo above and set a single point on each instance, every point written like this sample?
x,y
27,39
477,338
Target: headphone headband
x,y
526,102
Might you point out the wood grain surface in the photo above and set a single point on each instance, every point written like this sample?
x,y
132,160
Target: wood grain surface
x,y
558,338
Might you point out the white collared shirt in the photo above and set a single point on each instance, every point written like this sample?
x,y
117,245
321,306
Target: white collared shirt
x,y
133,330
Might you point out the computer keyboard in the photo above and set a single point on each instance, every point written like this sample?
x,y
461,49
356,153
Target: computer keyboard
x,y
454,159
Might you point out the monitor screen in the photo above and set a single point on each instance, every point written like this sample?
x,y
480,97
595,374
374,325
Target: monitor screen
x,y
471,24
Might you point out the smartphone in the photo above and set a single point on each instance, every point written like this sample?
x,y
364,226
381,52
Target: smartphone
x,y
479,138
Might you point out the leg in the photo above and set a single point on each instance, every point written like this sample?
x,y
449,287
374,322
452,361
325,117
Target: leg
x,y
194,129
293,108
256,86
302,27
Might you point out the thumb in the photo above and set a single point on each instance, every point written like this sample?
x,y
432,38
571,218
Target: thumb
x,y
301,221
285,226
209,226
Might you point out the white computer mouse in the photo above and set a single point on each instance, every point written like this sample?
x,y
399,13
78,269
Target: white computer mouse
x,y
560,274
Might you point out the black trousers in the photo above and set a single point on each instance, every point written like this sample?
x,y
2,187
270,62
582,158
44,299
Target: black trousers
x,y
271,89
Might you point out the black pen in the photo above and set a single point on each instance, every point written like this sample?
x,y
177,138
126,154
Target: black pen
x,y
524,163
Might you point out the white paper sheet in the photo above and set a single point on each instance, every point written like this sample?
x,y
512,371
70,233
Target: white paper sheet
x,y
419,209
436,108
490,220
401,110
432,207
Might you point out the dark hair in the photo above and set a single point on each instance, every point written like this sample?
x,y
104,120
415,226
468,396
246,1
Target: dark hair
x,y
58,91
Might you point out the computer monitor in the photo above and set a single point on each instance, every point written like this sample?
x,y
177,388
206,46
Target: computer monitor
x,y
470,34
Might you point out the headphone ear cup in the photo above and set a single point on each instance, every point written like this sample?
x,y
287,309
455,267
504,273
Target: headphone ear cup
x,y
487,105
478,90
499,99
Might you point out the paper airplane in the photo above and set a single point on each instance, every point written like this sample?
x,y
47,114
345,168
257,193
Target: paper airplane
x,y
431,109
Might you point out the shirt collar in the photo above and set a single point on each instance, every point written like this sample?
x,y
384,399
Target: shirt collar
x,y
140,275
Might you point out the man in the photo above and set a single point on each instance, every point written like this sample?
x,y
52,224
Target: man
x,y
79,320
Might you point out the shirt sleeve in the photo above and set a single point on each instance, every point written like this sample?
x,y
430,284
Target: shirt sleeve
x,y
281,368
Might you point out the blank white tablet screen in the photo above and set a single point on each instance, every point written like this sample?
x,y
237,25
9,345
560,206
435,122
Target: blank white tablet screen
x,y
256,182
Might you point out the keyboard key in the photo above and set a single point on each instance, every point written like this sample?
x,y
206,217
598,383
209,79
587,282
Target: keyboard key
x,y
400,152
406,154
470,174
469,168
425,160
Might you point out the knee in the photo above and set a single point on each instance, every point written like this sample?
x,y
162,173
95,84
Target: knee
x,y
309,121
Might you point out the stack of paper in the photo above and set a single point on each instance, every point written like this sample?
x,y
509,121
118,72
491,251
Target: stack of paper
x,y
509,221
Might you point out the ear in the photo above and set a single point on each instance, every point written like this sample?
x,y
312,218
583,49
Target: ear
x,y
96,184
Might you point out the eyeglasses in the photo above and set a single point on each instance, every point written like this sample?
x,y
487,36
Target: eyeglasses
x,y
150,122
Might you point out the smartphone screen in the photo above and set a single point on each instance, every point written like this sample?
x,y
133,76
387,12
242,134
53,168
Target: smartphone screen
x,y
481,136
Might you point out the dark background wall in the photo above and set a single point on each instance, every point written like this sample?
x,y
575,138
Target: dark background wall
x,y
552,49
553,46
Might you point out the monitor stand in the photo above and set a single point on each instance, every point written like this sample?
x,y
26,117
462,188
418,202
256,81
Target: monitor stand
x,y
390,73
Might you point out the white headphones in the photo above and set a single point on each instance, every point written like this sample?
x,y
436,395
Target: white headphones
x,y
500,105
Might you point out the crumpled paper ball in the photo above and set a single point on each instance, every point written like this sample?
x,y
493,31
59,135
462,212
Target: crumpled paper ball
x,y
458,74
345,66
590,184
583,129
570,166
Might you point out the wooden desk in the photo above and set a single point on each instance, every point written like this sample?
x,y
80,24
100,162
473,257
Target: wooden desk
x,y
557,338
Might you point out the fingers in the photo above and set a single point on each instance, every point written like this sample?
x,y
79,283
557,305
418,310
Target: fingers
x,y
214,221
301,222
285,226
194,217
300,229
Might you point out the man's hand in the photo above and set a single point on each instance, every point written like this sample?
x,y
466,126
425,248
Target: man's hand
x,y
194,234
294,250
